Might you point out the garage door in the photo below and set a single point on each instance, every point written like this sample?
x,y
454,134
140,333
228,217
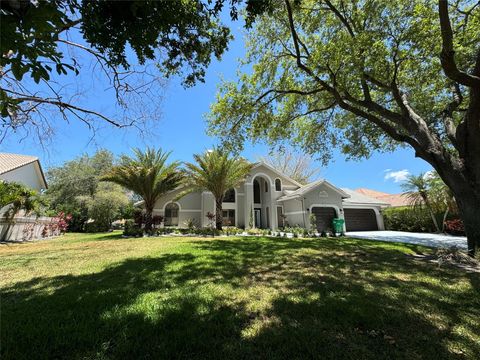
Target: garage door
x,y
324,216
360,219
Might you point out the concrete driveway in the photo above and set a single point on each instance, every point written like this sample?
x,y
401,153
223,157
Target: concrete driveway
x,y
432,240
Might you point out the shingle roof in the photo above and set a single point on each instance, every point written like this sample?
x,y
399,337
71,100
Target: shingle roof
x,y
9,162
306,188
358,198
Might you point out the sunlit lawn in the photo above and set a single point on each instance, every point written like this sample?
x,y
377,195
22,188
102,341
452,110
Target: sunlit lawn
x,y
105,297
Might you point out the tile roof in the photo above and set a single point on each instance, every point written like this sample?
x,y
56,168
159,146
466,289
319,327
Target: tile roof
x,y
9,162
359,198
392,199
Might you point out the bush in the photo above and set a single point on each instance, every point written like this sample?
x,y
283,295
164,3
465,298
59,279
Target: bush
x,y
132,229
455,227
408,219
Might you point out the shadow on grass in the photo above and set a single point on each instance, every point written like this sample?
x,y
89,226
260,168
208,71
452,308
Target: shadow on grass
x,y
331,299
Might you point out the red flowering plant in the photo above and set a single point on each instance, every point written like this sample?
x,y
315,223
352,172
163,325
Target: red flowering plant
x,y
58,225
455,227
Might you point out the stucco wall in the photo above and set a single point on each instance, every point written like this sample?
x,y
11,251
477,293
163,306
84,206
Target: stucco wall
x,y
28,175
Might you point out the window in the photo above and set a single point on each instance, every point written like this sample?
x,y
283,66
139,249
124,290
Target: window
x,y
228,217
266,186
278,185
171,214
280,217
256,192
229,196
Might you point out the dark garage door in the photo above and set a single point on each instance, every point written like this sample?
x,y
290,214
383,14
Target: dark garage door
x,y
324,216
360,219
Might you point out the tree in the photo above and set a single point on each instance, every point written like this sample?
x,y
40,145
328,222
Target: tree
x,y
104,207
418,193
215,171
40,41
148,175
19,197
297,166
71,184
366,76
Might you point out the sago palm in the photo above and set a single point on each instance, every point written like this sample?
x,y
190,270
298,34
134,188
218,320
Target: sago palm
x,y
216,171
418,193
148,175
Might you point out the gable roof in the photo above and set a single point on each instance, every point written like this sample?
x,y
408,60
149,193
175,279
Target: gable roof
x,y
306,188
261,163
359,198
10,162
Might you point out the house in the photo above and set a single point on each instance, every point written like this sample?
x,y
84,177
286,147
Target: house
x,y
270,199
395,200
23,169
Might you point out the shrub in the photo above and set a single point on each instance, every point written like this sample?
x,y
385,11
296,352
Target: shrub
x,y
455,227
132,229
408,219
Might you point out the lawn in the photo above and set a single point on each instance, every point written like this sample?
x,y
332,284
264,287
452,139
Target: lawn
x,y
105,297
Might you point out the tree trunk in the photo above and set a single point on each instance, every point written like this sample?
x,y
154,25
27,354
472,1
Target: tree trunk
x,y
469,207
148,220
218,213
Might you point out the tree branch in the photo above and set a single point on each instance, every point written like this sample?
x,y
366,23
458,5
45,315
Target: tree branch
x,y
447,55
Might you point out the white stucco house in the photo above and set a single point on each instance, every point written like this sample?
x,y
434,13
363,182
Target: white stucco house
x,y
270,199
23,169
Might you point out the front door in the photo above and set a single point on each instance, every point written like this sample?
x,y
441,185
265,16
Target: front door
x,y
258,218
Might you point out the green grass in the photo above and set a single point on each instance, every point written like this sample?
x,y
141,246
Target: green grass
x,y
105,297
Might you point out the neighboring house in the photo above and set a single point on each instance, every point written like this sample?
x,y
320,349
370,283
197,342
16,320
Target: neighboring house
x,y
395,200
270,199
23,169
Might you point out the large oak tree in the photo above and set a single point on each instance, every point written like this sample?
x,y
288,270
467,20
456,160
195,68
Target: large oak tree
x,y
364,76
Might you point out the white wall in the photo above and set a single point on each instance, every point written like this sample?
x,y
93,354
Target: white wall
x,y
28,175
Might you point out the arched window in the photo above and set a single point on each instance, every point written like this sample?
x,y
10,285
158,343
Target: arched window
x,y
278,185
171,214
266,186
256,192
229,196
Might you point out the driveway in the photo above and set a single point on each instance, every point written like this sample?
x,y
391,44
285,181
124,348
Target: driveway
x,y
432,240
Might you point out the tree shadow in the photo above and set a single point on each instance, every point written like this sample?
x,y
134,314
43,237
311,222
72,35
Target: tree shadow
x,y
327,300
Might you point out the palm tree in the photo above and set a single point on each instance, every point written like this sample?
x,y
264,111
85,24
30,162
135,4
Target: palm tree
x,y
417,190
148,175
216,172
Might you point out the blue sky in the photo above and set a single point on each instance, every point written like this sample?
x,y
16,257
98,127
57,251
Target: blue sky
x,y
182,112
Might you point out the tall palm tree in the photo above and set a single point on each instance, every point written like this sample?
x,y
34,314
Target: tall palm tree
x,y
417,190
148,175
216,172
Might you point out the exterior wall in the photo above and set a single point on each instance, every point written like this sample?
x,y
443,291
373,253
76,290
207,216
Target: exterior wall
x,y
321,196
189,207
28,175
269,200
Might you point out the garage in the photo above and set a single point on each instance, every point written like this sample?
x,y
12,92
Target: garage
x,y
360,219
324,217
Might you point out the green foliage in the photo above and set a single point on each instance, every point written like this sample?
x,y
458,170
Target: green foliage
x,y
104,206
75,188
132,229
20,197
408,219
148,175
320,105
215,171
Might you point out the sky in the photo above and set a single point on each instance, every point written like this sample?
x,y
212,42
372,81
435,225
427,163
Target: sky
x,y
180,127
